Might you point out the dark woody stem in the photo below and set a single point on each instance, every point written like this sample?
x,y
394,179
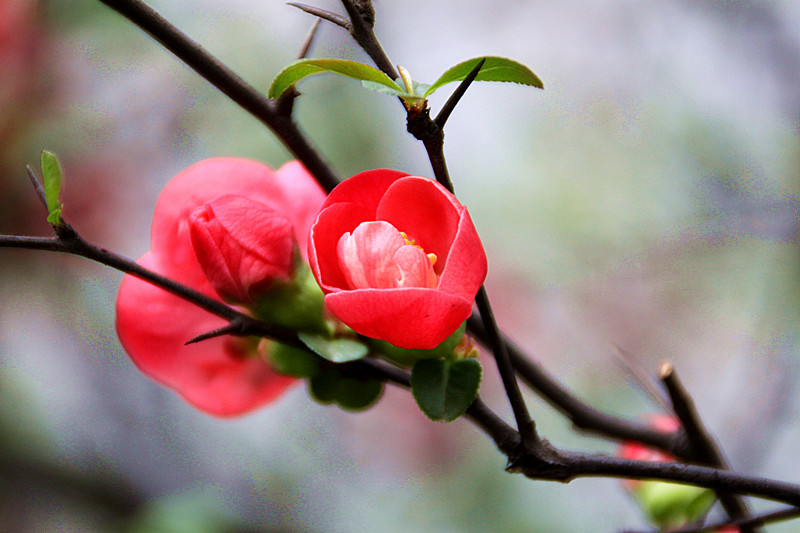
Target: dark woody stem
x,y
754,521
227,81
701,441
68,241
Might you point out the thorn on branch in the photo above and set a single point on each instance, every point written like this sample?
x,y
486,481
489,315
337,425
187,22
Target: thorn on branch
x,y
312,33
325,15
235,327
451,103
37,186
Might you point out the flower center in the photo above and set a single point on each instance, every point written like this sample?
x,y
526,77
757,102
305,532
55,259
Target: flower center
x,y
412,242
377,255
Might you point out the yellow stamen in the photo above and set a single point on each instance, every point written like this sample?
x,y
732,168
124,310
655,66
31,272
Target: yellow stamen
x,y
412,242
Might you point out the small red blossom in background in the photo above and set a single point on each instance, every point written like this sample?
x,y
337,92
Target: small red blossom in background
x,y
639,452
200,238
398,258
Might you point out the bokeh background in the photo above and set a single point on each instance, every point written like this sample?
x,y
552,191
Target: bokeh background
x,y
645,203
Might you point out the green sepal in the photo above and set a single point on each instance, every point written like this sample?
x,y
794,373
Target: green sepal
x,y
494,69
290,361
349,393
404,357
51,177
672,505
341,350
444,389
303,68
298,304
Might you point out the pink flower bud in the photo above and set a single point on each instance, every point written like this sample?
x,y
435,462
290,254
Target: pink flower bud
x,y
243,247
397,257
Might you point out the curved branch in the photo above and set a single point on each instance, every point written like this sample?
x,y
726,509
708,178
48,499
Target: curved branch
x,y
69,242
227,81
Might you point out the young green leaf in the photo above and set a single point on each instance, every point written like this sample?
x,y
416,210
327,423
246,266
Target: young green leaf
x,y
445,389
51,176
334,350
308,67
494,69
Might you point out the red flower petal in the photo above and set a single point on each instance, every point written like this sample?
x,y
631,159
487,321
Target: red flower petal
x,y
466,266
365,189
406,317
425,211
331,224
215,375
290,191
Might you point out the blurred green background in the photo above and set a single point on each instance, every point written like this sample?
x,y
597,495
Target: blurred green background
x,y
645,201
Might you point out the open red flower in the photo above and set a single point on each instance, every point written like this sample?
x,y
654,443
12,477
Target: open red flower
x,y
397,257
240,213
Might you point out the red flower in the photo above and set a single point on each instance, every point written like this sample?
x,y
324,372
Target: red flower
x,y
223,376
397,257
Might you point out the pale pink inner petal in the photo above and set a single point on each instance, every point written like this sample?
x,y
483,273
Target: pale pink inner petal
x,y
416,269
376,255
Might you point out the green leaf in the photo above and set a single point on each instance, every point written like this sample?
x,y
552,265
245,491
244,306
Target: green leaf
x,y
494,69
383,89
349,393
308,67
356,394
334,350
291,361
323,387
51,176
672,505
445,389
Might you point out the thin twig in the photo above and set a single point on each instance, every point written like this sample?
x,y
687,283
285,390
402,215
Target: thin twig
x,y
69,242
312,33
763,519
37,186
569,466
701,440
525,424
641,376
451,103
362,31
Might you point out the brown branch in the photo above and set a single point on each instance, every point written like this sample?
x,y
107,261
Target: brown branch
x,y
771,517
227,81
701,441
